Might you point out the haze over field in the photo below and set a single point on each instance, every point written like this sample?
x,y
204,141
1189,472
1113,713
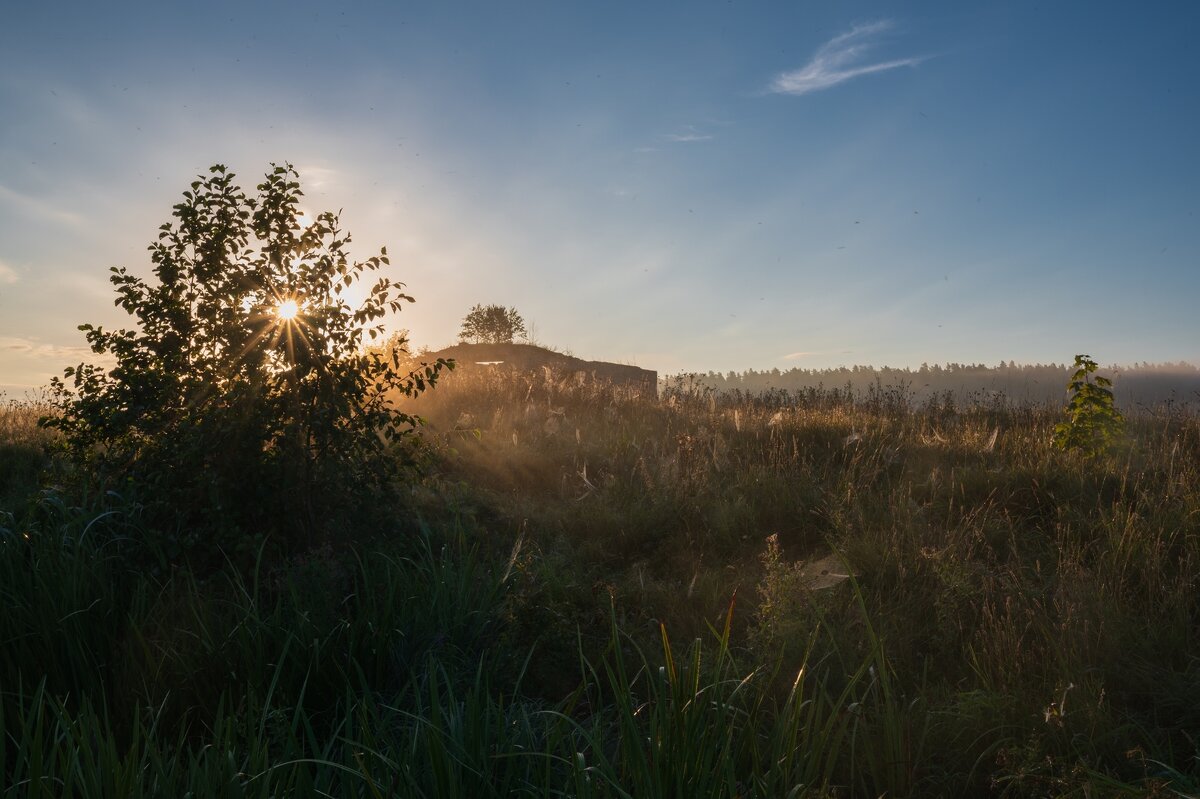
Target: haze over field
x,y
710,186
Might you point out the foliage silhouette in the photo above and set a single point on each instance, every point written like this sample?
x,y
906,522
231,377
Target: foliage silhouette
x,y
1093,422
231,420
492,324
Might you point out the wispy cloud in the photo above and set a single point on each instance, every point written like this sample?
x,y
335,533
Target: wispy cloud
x,y
8,275
318,177
40,349
688,134
795,356
36,207
840,59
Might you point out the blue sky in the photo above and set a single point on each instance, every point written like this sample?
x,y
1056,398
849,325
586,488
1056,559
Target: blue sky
x,y
688,186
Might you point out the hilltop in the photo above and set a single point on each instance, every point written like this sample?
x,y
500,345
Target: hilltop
x,y
530,357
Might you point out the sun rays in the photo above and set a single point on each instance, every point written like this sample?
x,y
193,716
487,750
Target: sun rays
x,y
279,328
287,310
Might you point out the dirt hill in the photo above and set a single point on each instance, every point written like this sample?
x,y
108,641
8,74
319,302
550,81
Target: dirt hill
x,y
528,357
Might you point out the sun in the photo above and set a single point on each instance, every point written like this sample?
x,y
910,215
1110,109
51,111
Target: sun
x,y
287,310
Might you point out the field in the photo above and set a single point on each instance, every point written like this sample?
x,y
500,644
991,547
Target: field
x,y
587,592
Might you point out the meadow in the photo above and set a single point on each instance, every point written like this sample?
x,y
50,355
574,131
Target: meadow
x,y
586,591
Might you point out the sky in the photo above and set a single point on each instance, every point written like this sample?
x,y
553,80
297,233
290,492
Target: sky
x,y
681,186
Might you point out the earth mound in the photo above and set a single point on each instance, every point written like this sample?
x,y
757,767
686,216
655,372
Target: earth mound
x,y
529,357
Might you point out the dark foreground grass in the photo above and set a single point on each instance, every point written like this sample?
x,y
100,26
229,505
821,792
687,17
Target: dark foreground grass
x,y
380,675
608,597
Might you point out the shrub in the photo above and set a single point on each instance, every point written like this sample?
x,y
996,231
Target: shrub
x,y
1093,422
243,401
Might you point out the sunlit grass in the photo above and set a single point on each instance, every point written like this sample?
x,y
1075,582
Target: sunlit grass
x,y
999,569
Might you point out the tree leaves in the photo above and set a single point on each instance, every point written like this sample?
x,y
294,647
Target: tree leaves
x,y
1093,422
218,401
491,324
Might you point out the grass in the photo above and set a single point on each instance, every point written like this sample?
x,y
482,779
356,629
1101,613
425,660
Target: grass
x,y
996,570
262,688
1020,621
22,447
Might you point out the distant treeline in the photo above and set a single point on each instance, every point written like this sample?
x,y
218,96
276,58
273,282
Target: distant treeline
x,y
1141,385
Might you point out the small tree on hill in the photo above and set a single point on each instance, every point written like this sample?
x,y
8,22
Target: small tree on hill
x,y
492,324
243,400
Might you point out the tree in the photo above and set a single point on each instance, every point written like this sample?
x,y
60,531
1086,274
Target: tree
x,y
243,399
1093,422
492,324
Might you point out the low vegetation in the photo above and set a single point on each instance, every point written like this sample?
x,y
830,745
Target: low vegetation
x,y
605,595
1037,607
229,580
